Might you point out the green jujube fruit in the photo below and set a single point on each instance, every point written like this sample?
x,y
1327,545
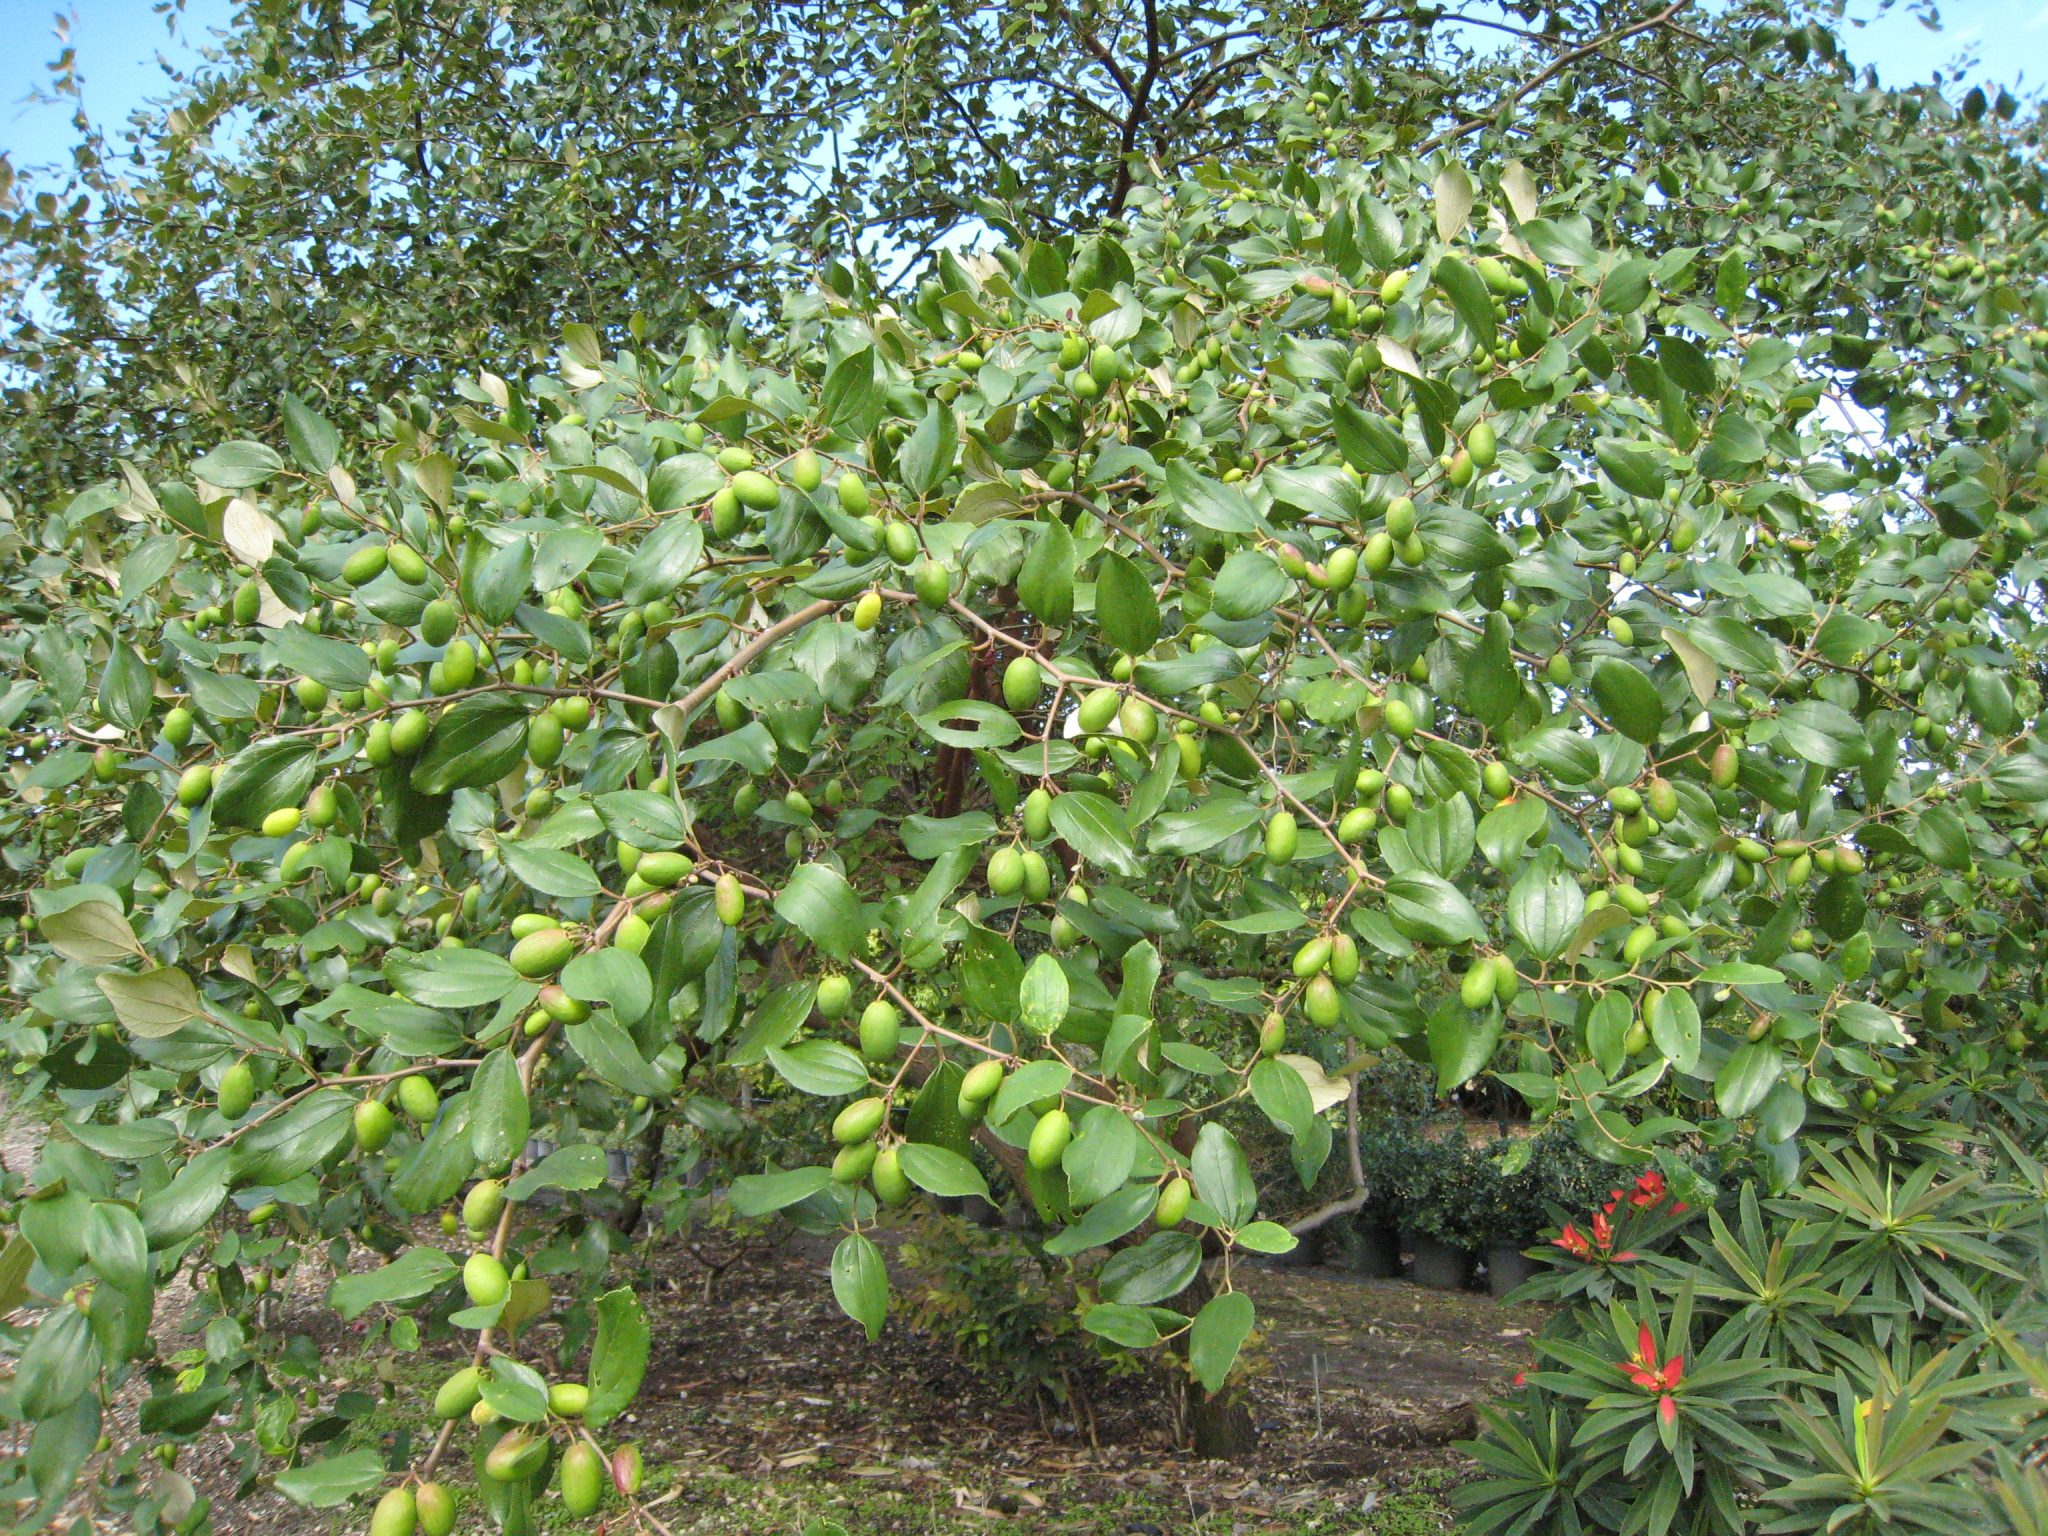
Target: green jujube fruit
x,y
582,1477
859,1120
1049,1139
237,1091
880,1029
459,1393
395,1514
484,1279
543,953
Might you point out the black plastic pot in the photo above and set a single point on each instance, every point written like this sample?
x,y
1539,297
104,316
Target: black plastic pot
x,y
1440,1266
1506,1267
1376,1250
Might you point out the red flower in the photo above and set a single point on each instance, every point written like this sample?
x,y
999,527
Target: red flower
x,y
1648,1191
1644,1371
1574,1242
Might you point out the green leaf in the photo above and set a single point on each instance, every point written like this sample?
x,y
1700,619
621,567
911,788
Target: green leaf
x,y
1279,1091
1031,1082
1266,1237
1469,297
1461,1043
991,726
1746,1076
92,933
1816,731
313,439
860,1284
852,400
476,743
1108,1219
1215,820
1427,907
927,459
1636,468
1219,1332
335,1480
618,1360
1675,1028
1939,833
549,871
1161,1266
450,978
824,1068
578,1167
1628,699
1493,688
1125,606
665,558
125,687
1250,586
1544,905
499,1117
496,587
642,819
941,1171
820,905
1222,1177
608,1050
1042,995
1046,582
1094,826
1371,444
1132,1327
155,1004
515,1390
616,978
335,663
762,1194
1210,503
58,1367
414,1273
1101,1155
563,554
238,465
264,777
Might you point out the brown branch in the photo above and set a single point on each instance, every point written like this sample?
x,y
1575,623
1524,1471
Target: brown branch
x,y
695,698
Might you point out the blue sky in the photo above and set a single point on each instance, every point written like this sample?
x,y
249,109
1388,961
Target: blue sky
x,y
118,43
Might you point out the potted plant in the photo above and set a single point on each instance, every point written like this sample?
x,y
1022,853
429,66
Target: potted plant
x,y
1511,1209
1442,1194
1375,1246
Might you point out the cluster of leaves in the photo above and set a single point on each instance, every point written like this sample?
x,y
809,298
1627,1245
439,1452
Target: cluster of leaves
x,y
345,199
1361,609
1852,1356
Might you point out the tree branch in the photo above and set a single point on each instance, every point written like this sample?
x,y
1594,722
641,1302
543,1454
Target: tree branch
x,y
754,647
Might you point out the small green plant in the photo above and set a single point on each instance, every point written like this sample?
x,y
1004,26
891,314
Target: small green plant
x,y
1005,1307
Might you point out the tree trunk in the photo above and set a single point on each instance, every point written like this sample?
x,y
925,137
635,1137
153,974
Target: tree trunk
x,y
1217,1425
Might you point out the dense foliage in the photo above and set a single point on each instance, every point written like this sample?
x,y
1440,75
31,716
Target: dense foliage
x,y
1546,614
347,199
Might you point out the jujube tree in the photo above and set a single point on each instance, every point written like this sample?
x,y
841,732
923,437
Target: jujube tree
x,y
1352,607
